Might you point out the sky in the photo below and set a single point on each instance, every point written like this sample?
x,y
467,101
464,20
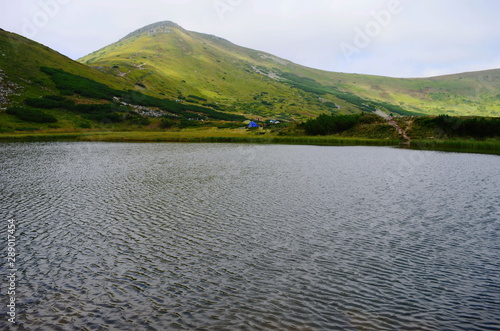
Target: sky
x,y
396,38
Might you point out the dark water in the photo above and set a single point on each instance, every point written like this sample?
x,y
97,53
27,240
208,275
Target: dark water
x,y
244,237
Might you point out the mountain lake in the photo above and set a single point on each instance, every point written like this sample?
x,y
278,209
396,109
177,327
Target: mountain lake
x,y
159,236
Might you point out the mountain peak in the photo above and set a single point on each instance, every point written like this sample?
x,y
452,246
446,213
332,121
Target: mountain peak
x,y
155,28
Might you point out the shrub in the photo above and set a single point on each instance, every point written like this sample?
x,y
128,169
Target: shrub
x,y
85,126
50,102
139,120
90,108
328,124
42,103
103,116
31,115
476,127
101,112
370,119
479,127
166,123
196,97
72,84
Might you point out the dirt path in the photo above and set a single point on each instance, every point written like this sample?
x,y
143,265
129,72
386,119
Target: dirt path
x,y
402,132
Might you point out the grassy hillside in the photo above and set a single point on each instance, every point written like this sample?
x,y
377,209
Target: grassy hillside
x,y
162,77
21,79
165,59
20,62
473,94
44,90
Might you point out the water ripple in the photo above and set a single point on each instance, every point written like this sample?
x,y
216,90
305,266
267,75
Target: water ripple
x,y
241,237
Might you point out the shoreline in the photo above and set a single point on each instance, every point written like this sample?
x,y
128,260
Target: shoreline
x,y
450,145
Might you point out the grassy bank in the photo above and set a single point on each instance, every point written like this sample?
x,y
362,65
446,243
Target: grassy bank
x,y
230,136
489,146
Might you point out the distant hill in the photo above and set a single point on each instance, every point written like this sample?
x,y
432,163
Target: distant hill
x,y
163,75
165,59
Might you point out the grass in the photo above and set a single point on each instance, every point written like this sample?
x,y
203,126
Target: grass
x,y
22,58
189,63
226,136
491,146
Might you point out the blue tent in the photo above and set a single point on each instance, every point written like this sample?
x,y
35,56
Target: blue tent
x,y
253,125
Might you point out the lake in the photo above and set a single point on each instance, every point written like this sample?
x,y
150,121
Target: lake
x,y
149,236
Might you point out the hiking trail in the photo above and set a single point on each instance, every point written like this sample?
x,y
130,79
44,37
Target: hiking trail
x,y
406,140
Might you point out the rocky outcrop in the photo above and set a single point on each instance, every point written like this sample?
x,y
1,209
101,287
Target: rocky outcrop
x,y
7,88
141,110
270,74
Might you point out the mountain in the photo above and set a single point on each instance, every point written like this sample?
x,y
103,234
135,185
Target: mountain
x,y
41,89
163,75
21,79
163,59
20,62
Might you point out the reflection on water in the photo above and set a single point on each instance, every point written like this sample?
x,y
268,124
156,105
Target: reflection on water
x,y
243,237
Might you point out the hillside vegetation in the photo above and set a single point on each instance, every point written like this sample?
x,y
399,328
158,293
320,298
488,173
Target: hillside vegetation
x,y
165,58
44,90
163,77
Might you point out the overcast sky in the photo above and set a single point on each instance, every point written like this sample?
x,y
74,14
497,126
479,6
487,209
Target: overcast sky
x,y
398,38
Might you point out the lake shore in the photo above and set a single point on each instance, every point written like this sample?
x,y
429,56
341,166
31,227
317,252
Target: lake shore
x,y
491,146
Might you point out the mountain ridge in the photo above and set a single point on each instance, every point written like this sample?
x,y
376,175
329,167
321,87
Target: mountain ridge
x,y
175,55
154,28
151,28
165,70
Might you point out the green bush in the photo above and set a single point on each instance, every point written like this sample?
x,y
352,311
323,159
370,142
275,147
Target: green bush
x,y
140,120
166,123
85,126
104,117
72,84
370,119
196,97
31,115
185,123
329,124
102,112
50,102
108,108
475,127
479,127
230,125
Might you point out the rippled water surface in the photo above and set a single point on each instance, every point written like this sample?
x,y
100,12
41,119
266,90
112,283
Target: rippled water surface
x,y
250,237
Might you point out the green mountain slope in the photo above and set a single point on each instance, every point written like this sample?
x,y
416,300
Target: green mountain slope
x,y
165,59
41,89
162,76
20,62
21,78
